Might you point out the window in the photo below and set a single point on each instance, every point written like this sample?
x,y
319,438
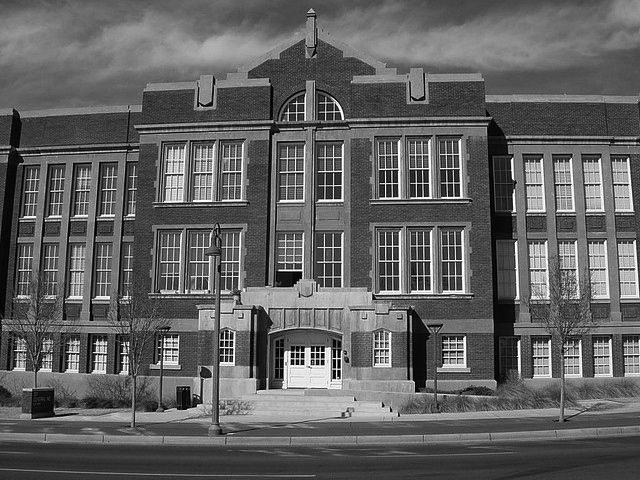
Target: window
x,y
329,165
19,354
30,191
327,109
419,168
627,268
126,276
562,176
573,358
336,359
24,269
170,348
104,254
82,189
294,110
592,177
503,184
509,357
450,168
202,176
278,359
598,269
541,356
231,171
444,261
568,263
290,172
171,265
50,268
454,351
381,348
46,364
99,354
227,347
289,258
507,269
72,354
388,169
173,173
56,190
132,189
77,257
623,200
124,346
329,259
602,356
538,269
534,183
108,183
631,353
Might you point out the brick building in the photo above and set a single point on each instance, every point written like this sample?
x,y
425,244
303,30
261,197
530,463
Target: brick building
x,y
356,206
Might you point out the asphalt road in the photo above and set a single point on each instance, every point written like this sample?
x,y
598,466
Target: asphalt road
x,y
617,458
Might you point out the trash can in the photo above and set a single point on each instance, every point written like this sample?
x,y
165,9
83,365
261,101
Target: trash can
x,y
183,397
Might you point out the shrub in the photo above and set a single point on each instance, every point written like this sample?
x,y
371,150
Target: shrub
x,y
115,392
64,396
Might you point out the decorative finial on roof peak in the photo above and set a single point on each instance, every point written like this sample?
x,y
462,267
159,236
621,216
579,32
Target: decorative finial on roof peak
x,y
311,13
312,34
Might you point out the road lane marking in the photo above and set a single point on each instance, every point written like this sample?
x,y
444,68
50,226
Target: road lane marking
x,y
440,455
172,475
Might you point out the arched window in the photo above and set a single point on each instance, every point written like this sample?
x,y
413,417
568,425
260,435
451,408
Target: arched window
x,y
294,110
327,108
227,347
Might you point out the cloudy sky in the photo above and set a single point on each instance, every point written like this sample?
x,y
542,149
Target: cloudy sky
x,y
68,53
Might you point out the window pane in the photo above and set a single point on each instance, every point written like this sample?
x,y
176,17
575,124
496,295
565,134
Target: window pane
x,y
169,261
598,269
534,183
198,267
230,266
329,259
419,173
56,190
382,349
24,268
328,108
126,278
291,171
450,168
202,176
50,268
627,268
132,189
592,183
503,184
602,356
451,259
231,171
82,188
507,269
388,169
631,352
173,173
104,253
572,358
108,181
621,184
329,166
294,110
453,351
227,347
30,191
99,354
563,183
538,271
541,352
389,261
77,258
420,258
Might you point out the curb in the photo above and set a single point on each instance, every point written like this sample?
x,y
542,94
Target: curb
x,y
322,440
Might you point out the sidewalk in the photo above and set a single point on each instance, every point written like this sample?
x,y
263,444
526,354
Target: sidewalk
x,y
189,427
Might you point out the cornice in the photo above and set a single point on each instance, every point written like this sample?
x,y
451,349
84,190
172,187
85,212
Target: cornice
x,y
74,149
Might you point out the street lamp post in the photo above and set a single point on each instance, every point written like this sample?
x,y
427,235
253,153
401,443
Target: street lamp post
x,y
163,331
434,328
215,251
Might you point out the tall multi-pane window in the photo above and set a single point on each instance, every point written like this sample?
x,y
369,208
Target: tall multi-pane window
x,y
290,172
19,354
168,346
509,357
563,182
388,168
169,261
103,261
382,348
132,189
534,183
24,268
99,354
126,265
538,269
451,261
623,200
231,171
294,111
389,260
573,357
631,354
124,346
328,271
278,359
46,364
597,253
592,177
420,260
173,173
72,354
81,190
329,177
568,263
30,191
336,359
202,172
602,356
627,268
419,168
328,108
50,268
227,347
77,259
198,265
108,189
454,351
507,269
230,260
503,184
289,258
541,356
450,168
56,190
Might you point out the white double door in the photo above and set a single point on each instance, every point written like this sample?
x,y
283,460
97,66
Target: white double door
x,y
308,360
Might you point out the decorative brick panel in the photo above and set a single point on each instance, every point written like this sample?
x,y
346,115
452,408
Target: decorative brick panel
x,y
536,223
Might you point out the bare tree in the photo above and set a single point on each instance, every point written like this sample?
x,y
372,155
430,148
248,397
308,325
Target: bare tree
x,y
136,319
563,307
38,319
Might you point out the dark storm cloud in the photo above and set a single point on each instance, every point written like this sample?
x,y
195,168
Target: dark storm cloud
x,y
89,52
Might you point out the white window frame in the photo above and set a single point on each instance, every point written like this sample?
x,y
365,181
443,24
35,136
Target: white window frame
x,y
81,190
99,349
329,257
600,354
72,354
124,347
627,264
202,177
538,263
171,349
451,175
329,167
504,192
24,269
568,356
19,354
174,159
563,183
46,364
295,110
622,187
291,181
507,270
592,179
534,183
30,191
132,189
126,269
598,270
323,114
108,189
50,264
103,270
503,342
568,260
419,167
227,347
77,262
55,200
382,349
290,252
545,359
231,187
631,355
453,348
197,278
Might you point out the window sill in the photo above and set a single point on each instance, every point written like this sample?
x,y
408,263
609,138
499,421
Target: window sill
x,y
420,201
425,296
217,203
156,366
454,370
382,366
